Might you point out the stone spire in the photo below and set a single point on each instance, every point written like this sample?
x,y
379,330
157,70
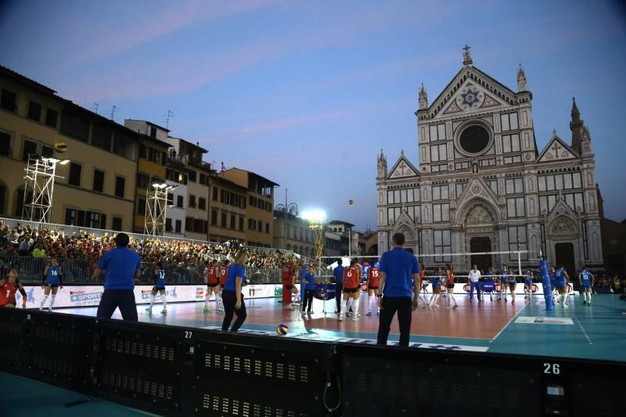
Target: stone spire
x,y
423,98
382,165
576,126
521,79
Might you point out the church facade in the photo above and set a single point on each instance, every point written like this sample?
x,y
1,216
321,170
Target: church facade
x,y
483,190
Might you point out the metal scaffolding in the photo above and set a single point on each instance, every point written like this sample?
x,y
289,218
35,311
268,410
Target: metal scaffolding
x,y
39,188
156,208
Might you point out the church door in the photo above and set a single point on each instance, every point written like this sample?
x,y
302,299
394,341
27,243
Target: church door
x,y
565,256
480,244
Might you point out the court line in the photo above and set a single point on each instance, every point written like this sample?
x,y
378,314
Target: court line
x,y
511,320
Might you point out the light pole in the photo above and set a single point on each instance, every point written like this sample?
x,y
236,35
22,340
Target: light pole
x,y
316,222
287,208
39,188
156,208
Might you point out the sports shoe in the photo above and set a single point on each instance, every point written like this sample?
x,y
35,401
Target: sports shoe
x,y
355,318
164,311
149,310
49,309
205,309
512,301
369,313
340,318
455,307
40,308
565,306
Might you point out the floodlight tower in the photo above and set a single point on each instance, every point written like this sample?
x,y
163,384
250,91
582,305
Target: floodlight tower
x,y
316,220
39,188
156,208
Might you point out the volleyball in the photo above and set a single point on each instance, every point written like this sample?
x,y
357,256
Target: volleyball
x,y
282,329
60,147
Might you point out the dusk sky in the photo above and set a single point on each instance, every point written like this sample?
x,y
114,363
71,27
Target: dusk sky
x,y
307,93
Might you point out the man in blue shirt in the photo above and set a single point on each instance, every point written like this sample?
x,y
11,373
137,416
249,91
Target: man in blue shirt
x,y
121,266
338,273
399,274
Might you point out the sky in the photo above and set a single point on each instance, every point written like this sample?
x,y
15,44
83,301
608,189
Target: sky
x,y
307,93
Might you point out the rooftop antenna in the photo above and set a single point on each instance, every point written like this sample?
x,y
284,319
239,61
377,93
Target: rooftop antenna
x,y
113,109
96,105
168,116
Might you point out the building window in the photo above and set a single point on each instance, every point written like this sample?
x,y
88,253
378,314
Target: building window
x,y
74,178
5,144
52,117
438,153
168,225
510,143
233,221
202,203
191,176
8,100
224,223
34,111
514,186
98,180
192,201
188,224
509,121
116,224
180,201
515,207
179,226
214,217
215,193
204,179
120,184
142,180
437,132
141,206
441,212
241,223
517,241
443,245
267,228
440,192
29,149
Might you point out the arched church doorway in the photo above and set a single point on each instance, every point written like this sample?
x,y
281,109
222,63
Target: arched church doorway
x,y
480,244
564,254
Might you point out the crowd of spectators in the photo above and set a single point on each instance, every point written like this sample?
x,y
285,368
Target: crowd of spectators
x,y
26,241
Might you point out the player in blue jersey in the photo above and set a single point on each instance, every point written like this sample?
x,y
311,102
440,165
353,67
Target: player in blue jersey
x,y
560,281
438,277
528,284
121,266
586,282
232,294
338,273
159,287
504,279
52,281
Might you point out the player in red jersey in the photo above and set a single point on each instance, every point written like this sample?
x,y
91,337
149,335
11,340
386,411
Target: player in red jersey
x,y
8,288
212,284
223,276
351,290
373,276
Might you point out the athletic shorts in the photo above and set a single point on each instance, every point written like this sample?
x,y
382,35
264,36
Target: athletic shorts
x,y
449,286
212,285
289,287
155,288
350,290
51,286
372,288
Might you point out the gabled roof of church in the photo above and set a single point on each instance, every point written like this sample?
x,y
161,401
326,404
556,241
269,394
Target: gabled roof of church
x,y
556,150
495,92
403,168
